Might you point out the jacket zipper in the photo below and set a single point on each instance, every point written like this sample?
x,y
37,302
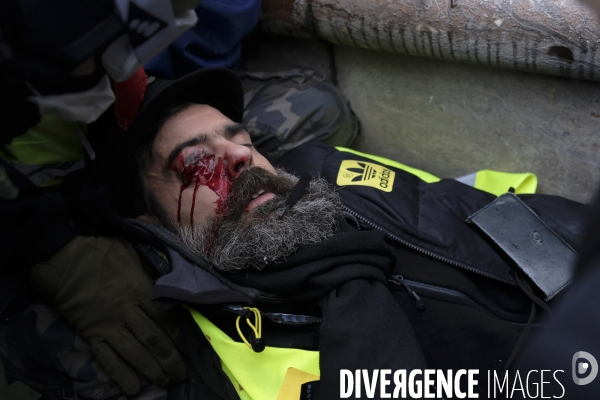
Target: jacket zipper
x,y
399,280
272,299
410,284
275,317
438,289
278,320
422,250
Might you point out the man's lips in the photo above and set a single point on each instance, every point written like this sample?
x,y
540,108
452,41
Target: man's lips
x,y
266,196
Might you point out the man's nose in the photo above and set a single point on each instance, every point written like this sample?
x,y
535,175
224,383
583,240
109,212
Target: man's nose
x,y
239,158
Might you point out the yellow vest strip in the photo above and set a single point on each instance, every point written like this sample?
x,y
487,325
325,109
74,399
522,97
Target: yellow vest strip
x,y
49,151
493,182
259,376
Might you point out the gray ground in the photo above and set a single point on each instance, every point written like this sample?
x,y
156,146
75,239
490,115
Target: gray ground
x,y
452,119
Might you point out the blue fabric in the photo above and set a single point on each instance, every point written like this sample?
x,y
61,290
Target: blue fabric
x,y
214,42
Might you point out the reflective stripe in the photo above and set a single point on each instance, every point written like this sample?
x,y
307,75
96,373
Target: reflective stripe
x,y
497,183
256,376
426,176
494,182
52,140
47,152
281,318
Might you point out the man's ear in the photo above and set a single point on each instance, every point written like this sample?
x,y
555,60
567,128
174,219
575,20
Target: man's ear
x,y
151,219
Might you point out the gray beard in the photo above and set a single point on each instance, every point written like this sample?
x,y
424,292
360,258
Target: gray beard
x,y
260,238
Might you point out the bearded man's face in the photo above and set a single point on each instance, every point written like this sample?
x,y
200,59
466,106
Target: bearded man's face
x,y
207,183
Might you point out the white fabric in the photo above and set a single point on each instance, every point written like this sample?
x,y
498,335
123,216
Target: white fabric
x,y
84,106
468,179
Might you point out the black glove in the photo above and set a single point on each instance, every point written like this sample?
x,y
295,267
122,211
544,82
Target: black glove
x,y
100,287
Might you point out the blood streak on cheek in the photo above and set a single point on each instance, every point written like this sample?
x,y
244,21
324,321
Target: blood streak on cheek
x,y
202,168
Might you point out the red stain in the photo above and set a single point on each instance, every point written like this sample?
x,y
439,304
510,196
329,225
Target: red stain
x,y
202,168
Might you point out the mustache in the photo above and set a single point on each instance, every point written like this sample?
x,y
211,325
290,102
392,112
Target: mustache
x,y
251,181
260,238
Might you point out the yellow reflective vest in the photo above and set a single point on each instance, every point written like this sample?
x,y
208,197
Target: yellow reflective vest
x,y
49,151
273,374
494,182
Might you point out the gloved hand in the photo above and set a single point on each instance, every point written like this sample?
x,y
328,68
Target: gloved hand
x,y
99,286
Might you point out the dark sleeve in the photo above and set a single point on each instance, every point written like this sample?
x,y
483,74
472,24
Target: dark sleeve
x,y
575,326
41,350
33,227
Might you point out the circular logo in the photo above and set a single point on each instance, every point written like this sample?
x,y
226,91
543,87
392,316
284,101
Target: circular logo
x,y
581,367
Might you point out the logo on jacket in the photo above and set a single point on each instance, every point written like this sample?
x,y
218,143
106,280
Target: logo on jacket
x,y
362,173
584,364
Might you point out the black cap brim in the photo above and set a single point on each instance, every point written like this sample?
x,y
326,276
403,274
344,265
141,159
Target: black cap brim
x,y
217,87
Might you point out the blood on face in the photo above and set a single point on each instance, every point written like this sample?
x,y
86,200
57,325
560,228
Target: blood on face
x,y
201,167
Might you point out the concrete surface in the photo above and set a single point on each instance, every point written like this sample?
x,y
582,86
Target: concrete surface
x,y
451,119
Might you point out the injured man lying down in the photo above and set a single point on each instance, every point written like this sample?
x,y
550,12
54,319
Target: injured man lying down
x,y
241,279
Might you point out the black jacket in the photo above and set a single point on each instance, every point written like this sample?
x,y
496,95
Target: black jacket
x,y
474,312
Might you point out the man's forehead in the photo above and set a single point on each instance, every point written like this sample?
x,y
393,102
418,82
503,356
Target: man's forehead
x,y
227,131
190,122
196,125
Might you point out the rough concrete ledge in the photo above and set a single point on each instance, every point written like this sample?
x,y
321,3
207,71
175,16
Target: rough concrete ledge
x,y
452,119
